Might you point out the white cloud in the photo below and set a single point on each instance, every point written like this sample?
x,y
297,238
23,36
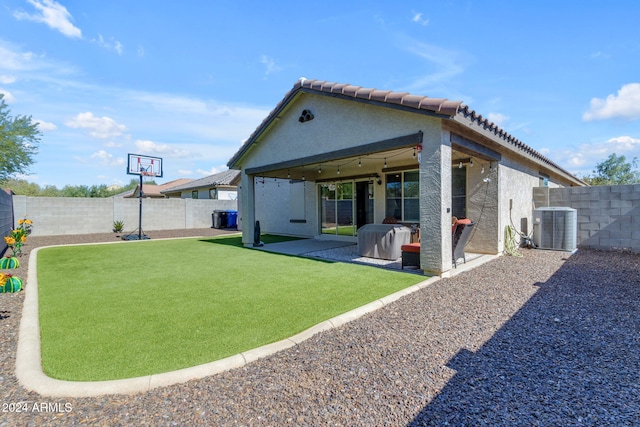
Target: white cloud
x,y
625,105
151,148
185,172
270,65
46,126
99,127
7,80
111,44
419,19
8,98
624,144
107,159
214,170
446,64
582,160
54,15
112,144
498,118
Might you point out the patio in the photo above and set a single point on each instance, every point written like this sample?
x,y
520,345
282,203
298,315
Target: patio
x,y
344,251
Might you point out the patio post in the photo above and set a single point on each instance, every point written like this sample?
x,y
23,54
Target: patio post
x,y
435,203
247,206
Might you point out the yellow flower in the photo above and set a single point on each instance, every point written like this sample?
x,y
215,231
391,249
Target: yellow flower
x,y
23,239
21,221
28,221
10,240
3,279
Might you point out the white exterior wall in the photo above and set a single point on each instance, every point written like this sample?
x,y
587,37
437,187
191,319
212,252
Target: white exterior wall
x,y
274,208
203,193
337,125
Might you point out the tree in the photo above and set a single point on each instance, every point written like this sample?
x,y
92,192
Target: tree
x,y
615,170
19,139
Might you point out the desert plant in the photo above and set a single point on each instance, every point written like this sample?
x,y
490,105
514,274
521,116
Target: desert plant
x,y
118,226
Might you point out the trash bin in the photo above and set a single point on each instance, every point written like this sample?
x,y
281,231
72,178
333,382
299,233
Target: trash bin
x,y
232,219
215,219
223,219
219,219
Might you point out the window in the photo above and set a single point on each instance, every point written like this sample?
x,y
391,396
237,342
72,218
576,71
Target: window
x,y
403,196
543,180
194,194
459,192
213,193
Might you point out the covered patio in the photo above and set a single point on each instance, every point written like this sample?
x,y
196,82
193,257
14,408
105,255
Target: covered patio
x,y
332,158
344,251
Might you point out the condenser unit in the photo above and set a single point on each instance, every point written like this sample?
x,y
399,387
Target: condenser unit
x,y
555,228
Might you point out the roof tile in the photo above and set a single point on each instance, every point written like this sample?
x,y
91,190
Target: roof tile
x,y
379,95
412,101
350,90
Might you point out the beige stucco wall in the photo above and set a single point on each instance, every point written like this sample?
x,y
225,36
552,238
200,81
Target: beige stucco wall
x,y
338,124
79,215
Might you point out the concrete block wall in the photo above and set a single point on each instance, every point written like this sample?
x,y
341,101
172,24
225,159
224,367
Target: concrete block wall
x,y
76,215
608,216
6,218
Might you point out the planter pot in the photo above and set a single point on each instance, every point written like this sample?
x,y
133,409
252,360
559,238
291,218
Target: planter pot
x,y
13,284
9,262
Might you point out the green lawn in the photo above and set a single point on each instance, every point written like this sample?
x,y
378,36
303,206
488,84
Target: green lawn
x,y
139,308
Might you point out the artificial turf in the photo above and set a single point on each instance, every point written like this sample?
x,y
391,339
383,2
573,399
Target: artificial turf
x,y
138,308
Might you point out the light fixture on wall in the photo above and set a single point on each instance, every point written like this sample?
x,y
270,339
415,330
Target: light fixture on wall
x,y
385,162
378,179
360,162
470,163
460,165
319,168
288,175
338,171
482,170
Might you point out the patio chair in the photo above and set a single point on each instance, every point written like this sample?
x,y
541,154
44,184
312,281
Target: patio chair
x,y
460,238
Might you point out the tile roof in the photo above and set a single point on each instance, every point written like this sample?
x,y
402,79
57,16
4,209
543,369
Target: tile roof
x,y
437,106
228,177
154,190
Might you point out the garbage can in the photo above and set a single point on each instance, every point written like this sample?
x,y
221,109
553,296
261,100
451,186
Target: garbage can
x,y
215,219
232,219
223,219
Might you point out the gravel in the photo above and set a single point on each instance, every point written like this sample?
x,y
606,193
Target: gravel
x,y
547,339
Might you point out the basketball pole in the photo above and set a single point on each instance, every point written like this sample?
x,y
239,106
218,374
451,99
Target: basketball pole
x,y
140,211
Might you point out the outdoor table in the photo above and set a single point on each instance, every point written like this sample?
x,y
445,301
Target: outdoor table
x,y
383,241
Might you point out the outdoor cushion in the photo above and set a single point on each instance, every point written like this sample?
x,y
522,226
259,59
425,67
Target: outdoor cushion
x,y
411,247
459,221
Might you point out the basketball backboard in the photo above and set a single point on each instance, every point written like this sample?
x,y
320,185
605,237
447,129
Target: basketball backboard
x,y
139,164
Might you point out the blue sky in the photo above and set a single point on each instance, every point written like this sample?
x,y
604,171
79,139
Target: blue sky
x,y
190,81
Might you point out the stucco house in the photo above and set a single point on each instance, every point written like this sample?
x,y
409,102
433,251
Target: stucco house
x,y
219,186
331,158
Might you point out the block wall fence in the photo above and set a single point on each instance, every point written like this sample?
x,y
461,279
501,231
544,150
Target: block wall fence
x,y
77,215
608,216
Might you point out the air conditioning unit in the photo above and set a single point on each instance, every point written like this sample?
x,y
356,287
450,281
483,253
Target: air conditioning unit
x,y
555,228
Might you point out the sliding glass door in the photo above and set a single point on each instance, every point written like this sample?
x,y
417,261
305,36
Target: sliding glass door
x,y
337,208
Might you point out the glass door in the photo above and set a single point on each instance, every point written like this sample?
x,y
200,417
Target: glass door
x,y
336,209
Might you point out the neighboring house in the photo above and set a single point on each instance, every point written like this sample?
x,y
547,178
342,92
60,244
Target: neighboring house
x,y
220,186
331,158
155,190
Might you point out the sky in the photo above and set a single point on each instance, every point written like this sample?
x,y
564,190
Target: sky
x,y
190,81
